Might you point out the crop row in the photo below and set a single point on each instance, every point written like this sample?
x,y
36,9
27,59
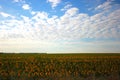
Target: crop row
x,y
58,68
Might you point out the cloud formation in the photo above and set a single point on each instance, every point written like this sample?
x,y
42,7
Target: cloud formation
x,y
6,15
54,3
66,7
105,6
17,0
26,7
41,30
72,25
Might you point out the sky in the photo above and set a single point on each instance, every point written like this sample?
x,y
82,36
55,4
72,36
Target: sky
x,y
60,26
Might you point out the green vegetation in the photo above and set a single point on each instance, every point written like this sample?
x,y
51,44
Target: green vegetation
x,y
59,66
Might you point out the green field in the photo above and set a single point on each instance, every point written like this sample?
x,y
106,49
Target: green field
x,y
59,66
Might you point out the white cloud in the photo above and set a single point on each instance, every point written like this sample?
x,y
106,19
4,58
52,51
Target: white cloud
x,y
33,12
107,6
54,3
26,7
72,25
66,7
16,1
6,15
42,30
40,15
104,6
72,11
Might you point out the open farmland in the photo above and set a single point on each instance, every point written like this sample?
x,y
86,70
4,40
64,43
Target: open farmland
x,y
59,66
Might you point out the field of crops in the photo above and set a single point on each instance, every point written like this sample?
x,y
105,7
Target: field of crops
x,y
59,66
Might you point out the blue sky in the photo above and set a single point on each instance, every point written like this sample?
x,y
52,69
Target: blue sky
x,y
60,26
